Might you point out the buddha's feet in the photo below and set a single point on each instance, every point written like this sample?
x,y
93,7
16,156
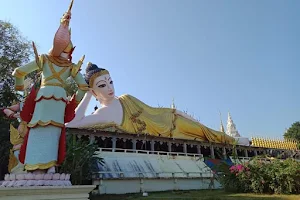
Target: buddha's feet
x,y
34,179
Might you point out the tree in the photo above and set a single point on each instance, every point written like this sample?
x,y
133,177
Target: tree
x,y
71,86
293,132
15,51
81,160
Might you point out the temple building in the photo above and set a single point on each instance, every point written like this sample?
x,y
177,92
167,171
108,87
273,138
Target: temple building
x,y
231,128
233,132
143,162
257,141
274,144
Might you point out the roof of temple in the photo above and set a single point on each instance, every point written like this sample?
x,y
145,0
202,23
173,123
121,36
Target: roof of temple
x,y
274,144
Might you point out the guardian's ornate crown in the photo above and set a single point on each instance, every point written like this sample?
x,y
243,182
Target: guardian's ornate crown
x,y
62,39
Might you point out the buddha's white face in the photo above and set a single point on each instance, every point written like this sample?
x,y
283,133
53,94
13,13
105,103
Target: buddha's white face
x,y
103,88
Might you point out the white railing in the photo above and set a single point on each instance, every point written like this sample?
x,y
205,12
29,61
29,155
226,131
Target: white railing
x,y
157,174
149,152
247,159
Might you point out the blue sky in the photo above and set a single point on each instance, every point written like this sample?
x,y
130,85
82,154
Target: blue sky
x,y
210,56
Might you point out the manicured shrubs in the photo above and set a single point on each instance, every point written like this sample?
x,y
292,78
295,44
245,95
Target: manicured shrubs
x,y
276,176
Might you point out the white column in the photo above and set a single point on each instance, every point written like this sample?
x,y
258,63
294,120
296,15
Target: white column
x,y
152,145
134,144
184,148
198,149
169,146
92,139
224,153
114,143
246,153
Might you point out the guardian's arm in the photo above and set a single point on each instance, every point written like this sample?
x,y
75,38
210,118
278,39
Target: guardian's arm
x,y
20,73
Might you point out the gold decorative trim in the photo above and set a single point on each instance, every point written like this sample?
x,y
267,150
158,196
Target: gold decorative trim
x,y
19,87
134,119
13,162
15,137
52,84
55,75
76,68
40,165
105,126
41,123
273,143
83,87
59,61
37,58
19,74
95,75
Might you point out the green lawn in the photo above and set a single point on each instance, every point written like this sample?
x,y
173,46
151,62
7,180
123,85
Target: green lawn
x,y
194,195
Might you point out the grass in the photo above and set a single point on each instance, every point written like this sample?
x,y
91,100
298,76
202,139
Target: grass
x,y
196,195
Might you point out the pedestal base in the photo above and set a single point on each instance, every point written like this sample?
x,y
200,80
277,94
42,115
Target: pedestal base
x,y
80,192
30,179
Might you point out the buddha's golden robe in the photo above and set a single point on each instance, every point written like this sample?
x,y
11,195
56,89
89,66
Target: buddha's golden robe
x,y
165,122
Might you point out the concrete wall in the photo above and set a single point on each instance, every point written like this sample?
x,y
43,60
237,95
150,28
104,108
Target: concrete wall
x,y
124,186
136,165
128,172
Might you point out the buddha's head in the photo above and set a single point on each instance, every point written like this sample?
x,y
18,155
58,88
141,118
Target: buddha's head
x,y
100,82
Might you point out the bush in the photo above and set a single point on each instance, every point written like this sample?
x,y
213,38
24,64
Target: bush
x,y
80,160
277,176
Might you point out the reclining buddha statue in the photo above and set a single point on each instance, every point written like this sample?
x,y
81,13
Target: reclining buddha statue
x,y
134,116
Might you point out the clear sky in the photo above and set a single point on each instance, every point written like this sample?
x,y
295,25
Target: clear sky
x,y
210,56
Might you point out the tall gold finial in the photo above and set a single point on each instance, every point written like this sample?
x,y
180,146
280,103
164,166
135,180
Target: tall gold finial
x,y
70,6
221,126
